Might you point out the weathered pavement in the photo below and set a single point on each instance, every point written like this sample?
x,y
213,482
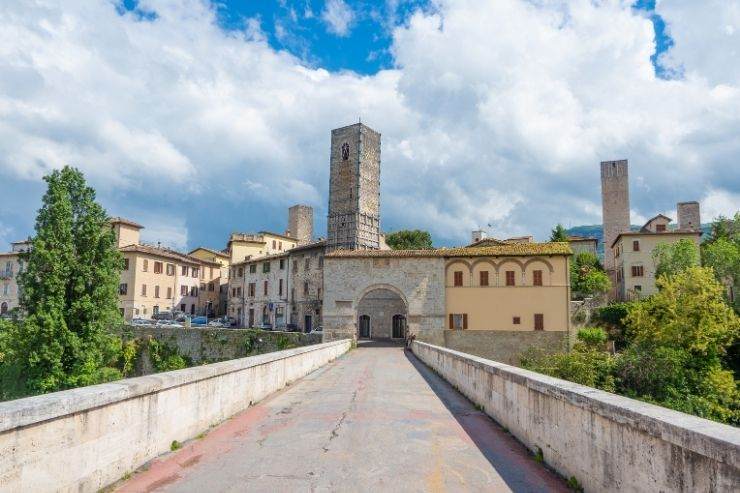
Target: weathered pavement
x,y
376,419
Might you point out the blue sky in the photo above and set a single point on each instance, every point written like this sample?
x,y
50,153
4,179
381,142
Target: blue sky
x,y
199,118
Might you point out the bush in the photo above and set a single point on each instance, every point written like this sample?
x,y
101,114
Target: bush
x,y
594,337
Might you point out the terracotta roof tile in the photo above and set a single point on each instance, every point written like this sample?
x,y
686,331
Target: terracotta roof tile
x,y
507,250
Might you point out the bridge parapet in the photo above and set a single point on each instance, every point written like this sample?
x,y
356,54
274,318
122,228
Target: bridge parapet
x,y
87,438
606,441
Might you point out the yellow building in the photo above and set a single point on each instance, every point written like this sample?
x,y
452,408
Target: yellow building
x,y
633,256
214,293
156,279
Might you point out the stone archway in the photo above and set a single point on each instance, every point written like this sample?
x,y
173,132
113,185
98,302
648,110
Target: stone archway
x,y
381,314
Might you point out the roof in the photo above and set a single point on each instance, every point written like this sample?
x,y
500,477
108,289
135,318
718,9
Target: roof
x,y
675,232
166,253
582,238
262,258
659,216
210,250
486,242
506,250
308,246
127,222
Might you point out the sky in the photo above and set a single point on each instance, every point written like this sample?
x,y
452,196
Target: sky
x,y
197,118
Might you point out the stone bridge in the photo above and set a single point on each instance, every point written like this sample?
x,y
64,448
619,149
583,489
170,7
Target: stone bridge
x,y
376,418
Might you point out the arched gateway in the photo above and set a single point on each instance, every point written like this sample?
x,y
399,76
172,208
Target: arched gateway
x,y
381,314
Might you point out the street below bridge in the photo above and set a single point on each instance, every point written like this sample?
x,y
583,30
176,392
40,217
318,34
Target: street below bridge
x,y
376,419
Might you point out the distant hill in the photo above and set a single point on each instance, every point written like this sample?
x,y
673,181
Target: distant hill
x,y
596,231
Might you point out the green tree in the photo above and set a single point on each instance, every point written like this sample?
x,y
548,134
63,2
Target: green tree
x,y
673,258
559,233
406,239
68,293
587,276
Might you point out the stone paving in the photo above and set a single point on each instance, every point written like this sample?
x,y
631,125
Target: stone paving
x,y
376,419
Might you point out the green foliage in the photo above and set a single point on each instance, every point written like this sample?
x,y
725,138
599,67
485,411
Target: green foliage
x,y
587,276
673,258
284,342
722,253
573,484
409,240
165,357
594,337
175,445
612,317
69,293
559,233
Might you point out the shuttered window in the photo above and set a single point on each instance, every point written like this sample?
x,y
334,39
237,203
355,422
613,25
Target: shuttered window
x,y
539,321
537,279
637,271
510,279
458,278
484,278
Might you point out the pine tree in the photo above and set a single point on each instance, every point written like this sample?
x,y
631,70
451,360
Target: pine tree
x,y
68,291
558,233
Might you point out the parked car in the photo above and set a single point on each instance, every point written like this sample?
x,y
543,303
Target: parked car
x,y
292,328
140,321
199,320
267,326
317,330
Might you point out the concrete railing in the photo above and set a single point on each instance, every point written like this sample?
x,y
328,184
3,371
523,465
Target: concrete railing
x,y
607,442
87,438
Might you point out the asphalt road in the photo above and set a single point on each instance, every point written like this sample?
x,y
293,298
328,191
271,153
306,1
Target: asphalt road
x,y
376,419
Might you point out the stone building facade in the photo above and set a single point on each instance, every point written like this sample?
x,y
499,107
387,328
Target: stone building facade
x,y
510,288
689,218
353,222
615,203
307,285
11,265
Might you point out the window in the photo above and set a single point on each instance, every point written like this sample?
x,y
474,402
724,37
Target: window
x,y
195,272
125,264
305,288
458,321
484,278
660,228
145,266
253,268
184,271
517,320
638,288
123,288
637,271
143,289
193,290
266,267
156,291
282,263
240,272
210,287
210,273
274,244
183,291
307,263
458,278
202,286
280,287
295,267
183,307
157,267
239,291
169,293
321,261
280,245
616,252
252,289
266,287
635,246
539,321
510,279
537,279
170,269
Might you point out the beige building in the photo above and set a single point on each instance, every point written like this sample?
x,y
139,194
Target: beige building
x,y
214,294
11,264
515,287
632,255
156,279
583,244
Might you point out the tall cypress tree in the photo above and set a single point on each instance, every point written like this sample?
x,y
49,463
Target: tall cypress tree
x,y
68,291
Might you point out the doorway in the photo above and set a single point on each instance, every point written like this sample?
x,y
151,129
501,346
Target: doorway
x,y
364,327
399,327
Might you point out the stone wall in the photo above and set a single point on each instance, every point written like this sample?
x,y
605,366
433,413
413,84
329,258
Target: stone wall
x,y
300,223
84,439
419,281
615,205
505,346
205,345
606,442
381,305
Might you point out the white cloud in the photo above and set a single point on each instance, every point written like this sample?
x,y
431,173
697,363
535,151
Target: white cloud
x,y
338,17
496,112
718,202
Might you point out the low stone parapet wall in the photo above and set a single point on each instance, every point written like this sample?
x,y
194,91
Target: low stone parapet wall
x,y
87,438
605,441
506,346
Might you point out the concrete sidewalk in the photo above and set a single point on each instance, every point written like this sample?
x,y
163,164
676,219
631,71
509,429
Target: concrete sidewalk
x,y
376,419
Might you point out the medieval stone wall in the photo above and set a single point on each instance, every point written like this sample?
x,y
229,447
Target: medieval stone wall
x,y
615,206
300,223
688,216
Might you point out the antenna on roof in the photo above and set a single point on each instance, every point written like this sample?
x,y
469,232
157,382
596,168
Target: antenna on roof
x,y
359,119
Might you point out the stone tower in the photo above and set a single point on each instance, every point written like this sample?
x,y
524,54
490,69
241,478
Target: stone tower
x,y
615,202
300,223
354,189
688,216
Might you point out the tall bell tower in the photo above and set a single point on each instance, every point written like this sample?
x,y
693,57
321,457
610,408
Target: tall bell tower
x,y
354,189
